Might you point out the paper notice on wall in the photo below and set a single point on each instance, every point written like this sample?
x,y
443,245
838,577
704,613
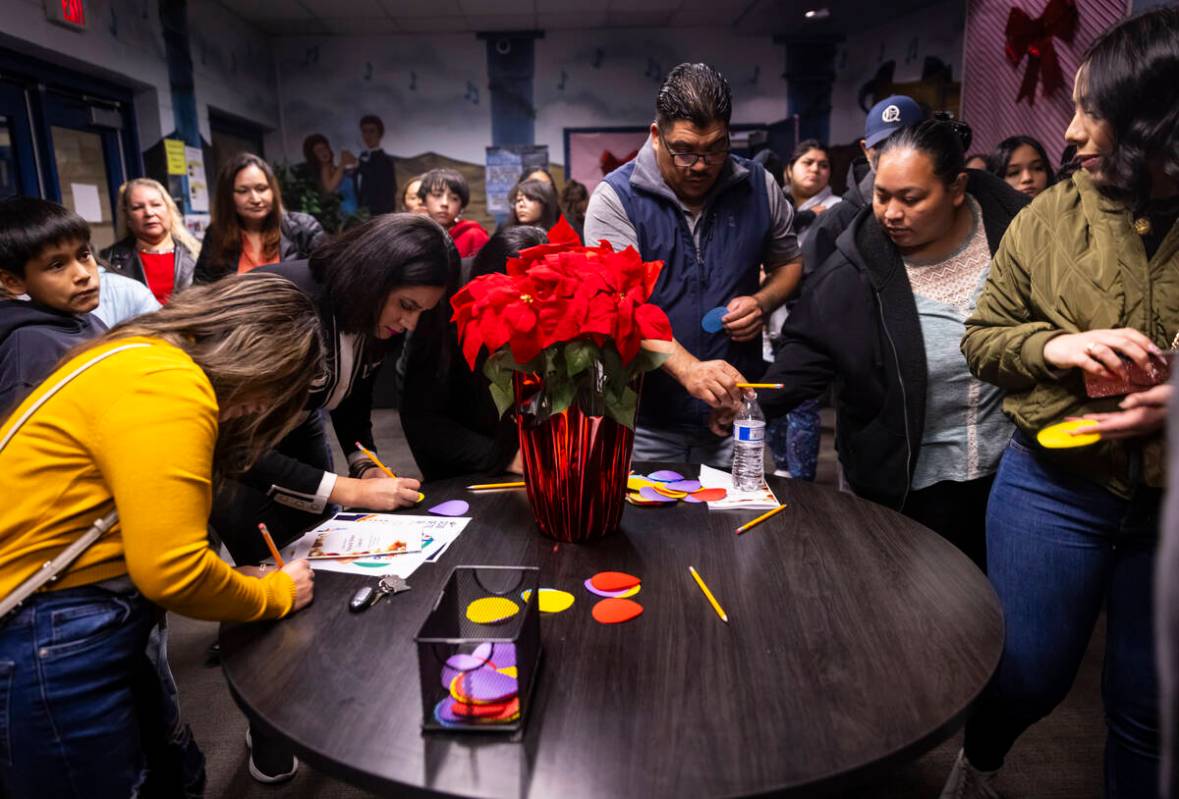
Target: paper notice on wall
x,y
504,165
174,155
86,201
198,186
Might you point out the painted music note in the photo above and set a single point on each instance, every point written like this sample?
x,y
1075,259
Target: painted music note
x,y
564,79
654,71
472,93
368,70
756,75
599,54
413,81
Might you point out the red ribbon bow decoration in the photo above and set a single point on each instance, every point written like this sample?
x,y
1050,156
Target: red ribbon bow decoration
x,y
1033,37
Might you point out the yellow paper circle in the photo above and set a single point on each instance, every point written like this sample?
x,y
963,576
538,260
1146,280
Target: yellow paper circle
x,y
491,610
510,671
1059,435
634,482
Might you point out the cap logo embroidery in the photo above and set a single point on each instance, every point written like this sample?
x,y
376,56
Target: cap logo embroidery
x,y
891,114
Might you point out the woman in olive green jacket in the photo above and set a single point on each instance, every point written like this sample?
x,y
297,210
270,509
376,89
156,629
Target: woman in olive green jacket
x,y
1084,285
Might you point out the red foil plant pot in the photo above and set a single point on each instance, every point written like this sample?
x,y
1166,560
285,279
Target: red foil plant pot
x,y
576,461
569,334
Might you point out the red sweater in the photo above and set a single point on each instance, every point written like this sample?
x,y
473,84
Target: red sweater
x,y
469,237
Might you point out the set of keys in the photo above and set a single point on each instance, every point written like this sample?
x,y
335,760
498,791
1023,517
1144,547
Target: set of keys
x,y
368,596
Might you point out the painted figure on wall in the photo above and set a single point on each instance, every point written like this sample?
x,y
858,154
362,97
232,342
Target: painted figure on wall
x,y
377,177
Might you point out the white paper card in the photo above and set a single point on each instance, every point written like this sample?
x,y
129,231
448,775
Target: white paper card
x,y
86,202
434,533
762,499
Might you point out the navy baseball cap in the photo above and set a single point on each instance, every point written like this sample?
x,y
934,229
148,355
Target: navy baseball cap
x,y
890,115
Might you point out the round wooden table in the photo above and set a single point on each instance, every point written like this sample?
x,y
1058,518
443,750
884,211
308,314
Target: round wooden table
x,y
857,639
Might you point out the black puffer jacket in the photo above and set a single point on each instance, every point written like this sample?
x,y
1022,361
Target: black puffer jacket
x,y
300,235
122,258
856,328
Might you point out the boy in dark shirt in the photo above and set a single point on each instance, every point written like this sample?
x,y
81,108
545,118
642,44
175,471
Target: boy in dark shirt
x,y
45,255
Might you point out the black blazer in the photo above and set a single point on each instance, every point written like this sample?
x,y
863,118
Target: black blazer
x,y
376,186
856,328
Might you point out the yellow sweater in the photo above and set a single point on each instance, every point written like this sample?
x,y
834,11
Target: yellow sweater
x,y
136,431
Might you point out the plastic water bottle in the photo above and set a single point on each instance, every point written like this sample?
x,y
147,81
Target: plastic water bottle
x,y
749,439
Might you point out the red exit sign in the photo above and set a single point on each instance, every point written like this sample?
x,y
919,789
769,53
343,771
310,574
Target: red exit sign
x,y
70,13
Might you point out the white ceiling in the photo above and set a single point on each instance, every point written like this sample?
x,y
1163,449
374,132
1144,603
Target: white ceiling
x,y
751,17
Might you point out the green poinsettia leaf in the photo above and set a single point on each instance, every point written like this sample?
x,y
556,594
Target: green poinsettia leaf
x,y
498,369
622,407
561,391
579,356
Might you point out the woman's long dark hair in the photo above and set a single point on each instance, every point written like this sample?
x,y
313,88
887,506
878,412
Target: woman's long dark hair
x,y
1131,80
313,166
361,266
998,160
225,229
537,191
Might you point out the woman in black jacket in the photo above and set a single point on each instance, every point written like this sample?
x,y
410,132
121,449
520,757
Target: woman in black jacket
x,y
882,320
449,418
371,285
249,227
154,247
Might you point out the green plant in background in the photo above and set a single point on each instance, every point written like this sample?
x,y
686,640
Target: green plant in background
x,y
300,193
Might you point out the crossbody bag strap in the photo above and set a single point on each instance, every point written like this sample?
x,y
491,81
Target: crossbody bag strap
x,y
50,570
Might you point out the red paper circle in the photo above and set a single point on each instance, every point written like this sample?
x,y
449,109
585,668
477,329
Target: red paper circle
x,y
614,581
616,611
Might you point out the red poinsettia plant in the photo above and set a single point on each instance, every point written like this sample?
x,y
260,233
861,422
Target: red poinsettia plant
x,y
577,316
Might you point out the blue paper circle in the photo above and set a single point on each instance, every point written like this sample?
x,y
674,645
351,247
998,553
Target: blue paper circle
x,y
712,320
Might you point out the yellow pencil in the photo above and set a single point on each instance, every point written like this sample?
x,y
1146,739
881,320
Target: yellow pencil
x,y
372,456
486,486
278,561
760,519
761,385
711,599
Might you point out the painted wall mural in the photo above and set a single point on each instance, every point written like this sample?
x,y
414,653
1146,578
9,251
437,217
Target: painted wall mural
x,y
920,53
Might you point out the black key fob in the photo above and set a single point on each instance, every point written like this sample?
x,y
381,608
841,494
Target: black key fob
x,y
361,599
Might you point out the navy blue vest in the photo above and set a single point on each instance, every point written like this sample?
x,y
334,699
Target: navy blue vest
x,y
733,237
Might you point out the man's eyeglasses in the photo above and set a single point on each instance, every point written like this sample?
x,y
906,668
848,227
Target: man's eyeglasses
x,y
689,159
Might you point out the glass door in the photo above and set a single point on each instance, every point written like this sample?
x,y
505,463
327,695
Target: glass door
x,y
88,163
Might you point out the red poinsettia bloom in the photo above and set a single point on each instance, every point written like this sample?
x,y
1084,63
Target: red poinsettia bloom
x,y
559,292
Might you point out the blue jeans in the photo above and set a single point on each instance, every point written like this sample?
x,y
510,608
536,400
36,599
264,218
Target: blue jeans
x,y
1058,547
675,446
794,439
85,709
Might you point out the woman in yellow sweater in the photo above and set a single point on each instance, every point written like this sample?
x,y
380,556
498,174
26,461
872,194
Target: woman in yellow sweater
x,y
185,396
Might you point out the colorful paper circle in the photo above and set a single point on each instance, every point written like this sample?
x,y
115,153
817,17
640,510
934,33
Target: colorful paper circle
x,y
616,611
614,581
1059,435
624,594
491,610
712,320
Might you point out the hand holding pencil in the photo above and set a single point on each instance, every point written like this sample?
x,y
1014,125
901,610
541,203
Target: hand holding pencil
x,y
298,570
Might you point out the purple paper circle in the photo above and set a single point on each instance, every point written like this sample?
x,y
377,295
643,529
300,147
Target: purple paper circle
x,y
646,492
684,485
502,655
452,507
589,586
458,664
665,476
486,686
691,499
444,713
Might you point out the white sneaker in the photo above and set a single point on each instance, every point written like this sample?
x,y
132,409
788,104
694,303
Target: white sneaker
x,y
781,473
269,777
967,782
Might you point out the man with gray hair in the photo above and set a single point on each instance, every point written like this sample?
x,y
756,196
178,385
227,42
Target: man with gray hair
x,y
715,220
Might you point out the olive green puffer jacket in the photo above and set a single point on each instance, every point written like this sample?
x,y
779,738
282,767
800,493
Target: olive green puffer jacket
x,y
1071,262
